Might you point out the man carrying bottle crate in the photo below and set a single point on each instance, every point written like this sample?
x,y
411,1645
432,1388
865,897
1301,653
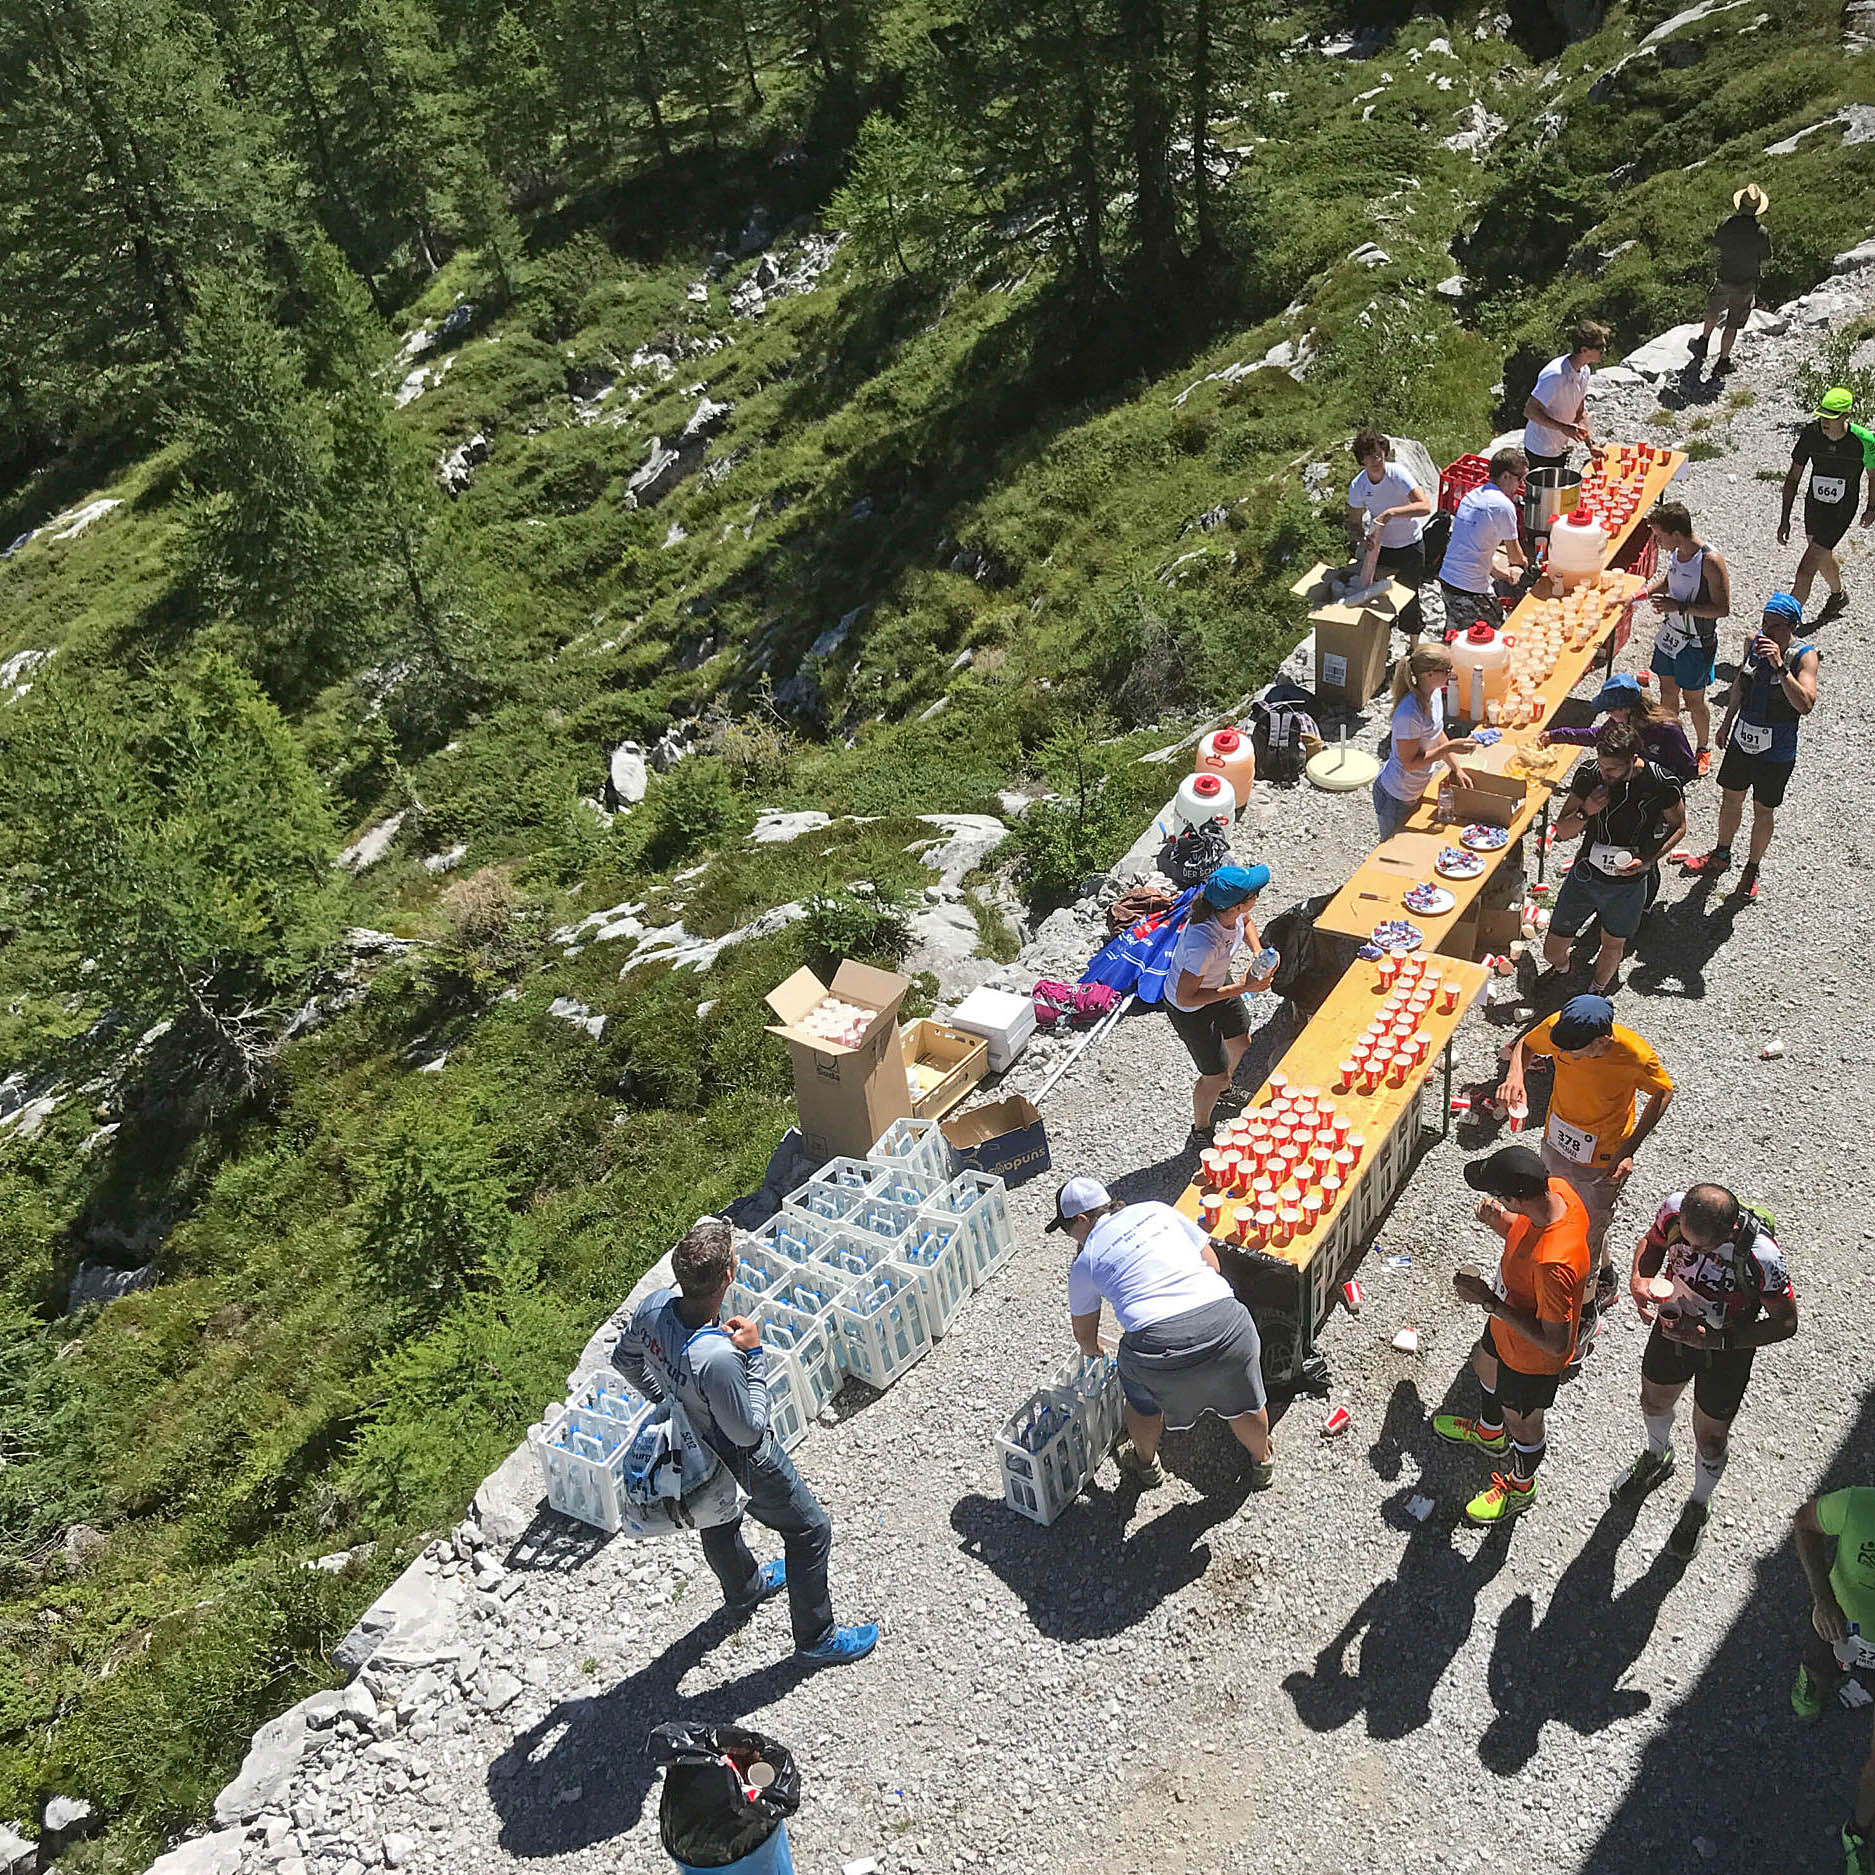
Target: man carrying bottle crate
x,y
675,1347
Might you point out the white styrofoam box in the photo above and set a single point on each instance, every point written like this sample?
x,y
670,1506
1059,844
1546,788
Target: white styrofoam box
x,y
899,1186
1003,1019
1091,1390
1043,1452
789,1234
980,1202
789,1412
853,1174
880,1221
811,1341
823,1204
582,1454
914,1146
934,1252
882,1327
849,1258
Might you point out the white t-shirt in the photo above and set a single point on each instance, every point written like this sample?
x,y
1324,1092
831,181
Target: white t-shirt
x,y
1144,1263
1393,490
1205,948
1486,518
1563,388
1406,781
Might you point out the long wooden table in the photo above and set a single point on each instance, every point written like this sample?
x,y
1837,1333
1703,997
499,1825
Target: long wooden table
x,y
1292,1291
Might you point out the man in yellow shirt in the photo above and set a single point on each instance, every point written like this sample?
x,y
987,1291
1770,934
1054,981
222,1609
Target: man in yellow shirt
x,y
1842,1616
1592,1132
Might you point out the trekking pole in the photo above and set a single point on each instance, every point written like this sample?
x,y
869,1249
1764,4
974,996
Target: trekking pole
x,y
1080,1048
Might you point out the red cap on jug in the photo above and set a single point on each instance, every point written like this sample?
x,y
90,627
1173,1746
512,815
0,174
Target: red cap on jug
x,y
1207,784
1480,634
1225,741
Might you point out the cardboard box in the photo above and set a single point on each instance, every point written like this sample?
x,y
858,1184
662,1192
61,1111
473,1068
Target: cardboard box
x,y
1352,643
845,1096
1494,799
959,1062
1006,1137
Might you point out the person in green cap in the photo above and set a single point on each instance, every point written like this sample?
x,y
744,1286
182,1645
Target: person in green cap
x,y
1839,457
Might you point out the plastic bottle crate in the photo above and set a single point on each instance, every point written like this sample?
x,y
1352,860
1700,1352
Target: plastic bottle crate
x,y
1044,1456
1456,482
811,1341
880,1221
582,1458
914,1146
935,1255
899,1186
765,1271
823,1204
882,1328
849,1258
1091,1390
789,1234
789,1415
850,1174
979,1202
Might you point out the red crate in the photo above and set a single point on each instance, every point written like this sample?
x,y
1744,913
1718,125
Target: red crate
x,y
1467,473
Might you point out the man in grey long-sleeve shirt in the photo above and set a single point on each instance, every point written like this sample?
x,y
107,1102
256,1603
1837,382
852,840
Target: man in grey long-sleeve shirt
x,y
675,1347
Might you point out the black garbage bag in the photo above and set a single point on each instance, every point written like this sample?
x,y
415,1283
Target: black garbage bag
x,y
1310,968
726,1791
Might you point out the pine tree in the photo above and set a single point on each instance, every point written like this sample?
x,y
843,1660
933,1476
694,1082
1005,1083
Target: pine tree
x,y
904,203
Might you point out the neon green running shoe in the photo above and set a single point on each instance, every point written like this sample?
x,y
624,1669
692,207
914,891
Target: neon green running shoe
x,y
1806,1697
1501,1500
1858,1852
1457,1431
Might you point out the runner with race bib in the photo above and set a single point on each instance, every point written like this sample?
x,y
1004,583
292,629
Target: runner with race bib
x,y
1842,1615
1838,459
1691,592
1710,1278
1773,692
1592,1133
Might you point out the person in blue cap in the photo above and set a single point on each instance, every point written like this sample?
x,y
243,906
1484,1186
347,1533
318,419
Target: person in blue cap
x,y
1775,689
1622,700
1203,999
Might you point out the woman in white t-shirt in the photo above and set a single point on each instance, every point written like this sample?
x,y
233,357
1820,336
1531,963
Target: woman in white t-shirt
x,y
1188,1346
1389,510
1420,743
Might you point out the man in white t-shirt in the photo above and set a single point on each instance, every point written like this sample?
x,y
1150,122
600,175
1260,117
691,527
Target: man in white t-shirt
x,y
1387,516
1485,527
1556,411
1187,1345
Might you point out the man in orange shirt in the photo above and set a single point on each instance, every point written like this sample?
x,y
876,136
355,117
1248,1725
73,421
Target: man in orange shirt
x,y
1534,1309
1591,1133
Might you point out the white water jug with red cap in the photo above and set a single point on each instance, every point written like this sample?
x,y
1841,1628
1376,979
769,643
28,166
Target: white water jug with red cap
x,y
1228,752
1480,673
1203,797
1577,546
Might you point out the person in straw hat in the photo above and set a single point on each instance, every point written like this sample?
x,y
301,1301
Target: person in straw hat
x,y
1743,248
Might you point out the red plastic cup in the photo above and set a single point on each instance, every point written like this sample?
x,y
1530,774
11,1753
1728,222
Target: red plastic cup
x,y
1344,1075
1371,1071
1331,1190
1311,1209
1288,1222
1357,1144
1337,1422
1210,1207
1264,1225
1278,1085
1448,998
1397,1069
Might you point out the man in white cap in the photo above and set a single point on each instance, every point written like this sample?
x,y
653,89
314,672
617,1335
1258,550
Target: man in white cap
x,y
1187,1345
1743,248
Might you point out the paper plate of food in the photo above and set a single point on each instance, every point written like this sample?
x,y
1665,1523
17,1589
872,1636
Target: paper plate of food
x,y
1394,937
1483,839
1429,900
1454,862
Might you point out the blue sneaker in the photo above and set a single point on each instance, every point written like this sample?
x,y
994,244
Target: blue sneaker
x,y
842,1646
773,1579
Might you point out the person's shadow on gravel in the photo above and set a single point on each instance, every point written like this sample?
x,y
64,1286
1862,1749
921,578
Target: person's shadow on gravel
x,y
1406,1632
1114,1554
1678,940
1569,1665
582,1774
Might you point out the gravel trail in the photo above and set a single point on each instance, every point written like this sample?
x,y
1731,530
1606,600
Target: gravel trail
x,y
1311,1679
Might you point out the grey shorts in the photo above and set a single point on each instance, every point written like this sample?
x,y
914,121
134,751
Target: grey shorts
x,y
1208,1360
1731,302
1619,903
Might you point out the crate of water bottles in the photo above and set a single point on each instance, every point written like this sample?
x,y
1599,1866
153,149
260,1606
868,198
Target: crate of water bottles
x,y
1045,1457
915,1190
822,1204
788,1235
914,1146
582,1448
980,1205
933,1250
808,1338
861,1175
882,1325
790,1397
1091,1390
880,1221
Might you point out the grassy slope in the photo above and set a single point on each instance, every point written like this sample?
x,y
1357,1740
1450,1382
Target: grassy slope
x,y
271,1400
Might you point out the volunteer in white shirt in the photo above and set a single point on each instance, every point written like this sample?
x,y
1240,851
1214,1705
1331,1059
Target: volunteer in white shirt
x,y
1485,525
1187,1345
1387,516
1556,411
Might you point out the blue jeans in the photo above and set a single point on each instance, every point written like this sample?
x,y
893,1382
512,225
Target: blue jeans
x,y
779,1499
1390,810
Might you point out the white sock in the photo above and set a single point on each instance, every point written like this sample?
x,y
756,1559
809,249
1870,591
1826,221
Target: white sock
x,y
1659,1433
1706,1475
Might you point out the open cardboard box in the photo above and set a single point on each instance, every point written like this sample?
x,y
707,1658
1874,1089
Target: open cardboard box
x,y
954,1063
1352,641
845,1096
1496,800
1005,1137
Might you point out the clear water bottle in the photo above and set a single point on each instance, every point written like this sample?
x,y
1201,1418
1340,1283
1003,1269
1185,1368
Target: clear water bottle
x,y
1266,961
